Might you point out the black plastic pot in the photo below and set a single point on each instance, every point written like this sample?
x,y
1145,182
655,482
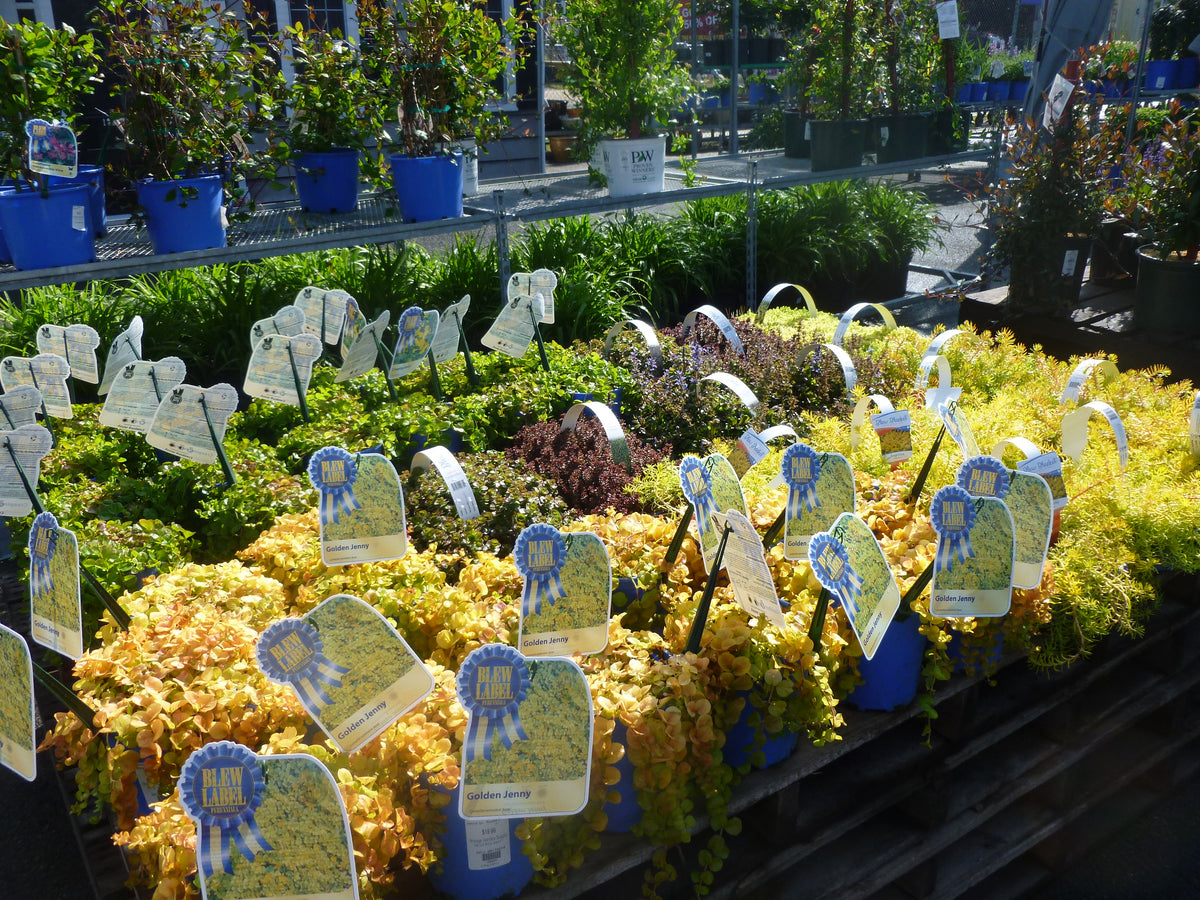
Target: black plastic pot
x,y
881,280
837,143
1048,283
902,136
795,144
1167,298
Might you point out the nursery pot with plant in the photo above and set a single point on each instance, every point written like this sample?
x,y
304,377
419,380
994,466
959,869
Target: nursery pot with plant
x,y
625,74
45,71
198,89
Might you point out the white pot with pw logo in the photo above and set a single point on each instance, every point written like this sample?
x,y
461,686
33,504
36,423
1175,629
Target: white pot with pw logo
x,y
634,166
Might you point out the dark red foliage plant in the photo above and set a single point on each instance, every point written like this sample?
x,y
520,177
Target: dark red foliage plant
x,y
581,464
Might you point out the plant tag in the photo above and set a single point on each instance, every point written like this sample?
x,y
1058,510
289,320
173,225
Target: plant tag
x,y
1057,100
884,134
48,373
808,130
53,150
820,488
355,323
76,344
446,339
1105,369
718,318
361,507
895,435
16,706
567,594
711,485
644,330
324,312
26,446
1048,467
125,348
19,407
54,597
947,16
1194,48
958,428
850,564
512,331
1070,258
350,669
1075,426
288,321
267,826
190,422
1028,500
530,284
1193,425
745,563
281,367
418,330
842,357
453,475
973,568
364,351
79,218
750,450
843,325
489,844
528,746
739,388
135,395
608,421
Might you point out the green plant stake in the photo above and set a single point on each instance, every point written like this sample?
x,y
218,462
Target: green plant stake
x,y
387,367
775,532
472,376
919,484
537,333
119,615
677,540
230,477
435,383
817,628
913,593
296,382
66,696
710,586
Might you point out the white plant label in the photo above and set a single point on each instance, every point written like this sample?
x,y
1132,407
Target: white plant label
x,y
76,344
125,348
190,422
135,395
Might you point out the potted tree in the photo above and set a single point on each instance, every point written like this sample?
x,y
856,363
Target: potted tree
x,y
197,88
625,74
334,113
910,59
1168,276
844,49
1045,215
438,62
44,71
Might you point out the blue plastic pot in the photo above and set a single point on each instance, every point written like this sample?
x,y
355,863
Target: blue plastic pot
x,y
458,880
428,187
997,91
5,255
93,177
963,93
1160,74
178,222
328,182
891,678
977,659
741,738
626,812
41,231
1187,73
979,91
1016,93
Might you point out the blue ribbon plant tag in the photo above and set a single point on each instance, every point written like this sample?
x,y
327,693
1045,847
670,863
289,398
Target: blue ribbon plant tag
x,y
850,564
567,596
361,507
53,149
973,566
820,488
1029,502
267,827
17,742
528,746
697,488
351,670
418,330
54,587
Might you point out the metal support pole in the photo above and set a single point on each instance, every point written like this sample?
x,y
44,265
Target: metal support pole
x,y
1137,77
736,26
502,244
695,106
541,87
752,238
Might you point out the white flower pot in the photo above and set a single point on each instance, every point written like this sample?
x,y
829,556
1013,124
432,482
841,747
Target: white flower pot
x,y
634,166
